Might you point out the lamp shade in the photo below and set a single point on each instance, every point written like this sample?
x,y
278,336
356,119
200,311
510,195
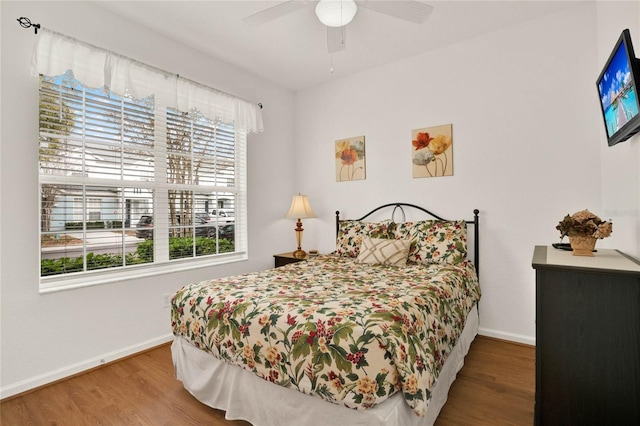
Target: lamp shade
x,y
300,208
336,13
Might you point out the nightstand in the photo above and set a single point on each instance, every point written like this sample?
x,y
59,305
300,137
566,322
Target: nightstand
x,y
286,258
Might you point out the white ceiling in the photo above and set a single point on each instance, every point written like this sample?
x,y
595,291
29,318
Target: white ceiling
x,y
291,51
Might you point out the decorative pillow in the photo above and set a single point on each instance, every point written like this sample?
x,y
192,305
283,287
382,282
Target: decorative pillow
x,y
383,251
435,241
352,232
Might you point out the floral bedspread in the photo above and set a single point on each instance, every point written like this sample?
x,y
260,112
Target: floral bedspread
x,y
353,334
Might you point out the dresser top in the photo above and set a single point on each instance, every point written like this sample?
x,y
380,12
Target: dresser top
x,y
603,260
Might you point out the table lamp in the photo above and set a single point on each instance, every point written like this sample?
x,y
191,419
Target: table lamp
x,y
300,209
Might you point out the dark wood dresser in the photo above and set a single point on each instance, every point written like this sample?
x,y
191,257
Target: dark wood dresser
x,y
587,338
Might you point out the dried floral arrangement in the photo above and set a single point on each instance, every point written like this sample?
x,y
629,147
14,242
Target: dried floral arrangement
x,y
584,223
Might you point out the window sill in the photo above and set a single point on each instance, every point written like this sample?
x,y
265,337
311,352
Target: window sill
x,y
58,283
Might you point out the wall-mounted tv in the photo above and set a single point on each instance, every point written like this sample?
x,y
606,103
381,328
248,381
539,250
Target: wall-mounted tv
x,y
618,88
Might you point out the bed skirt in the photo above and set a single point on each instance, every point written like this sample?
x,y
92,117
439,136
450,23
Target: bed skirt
x,y
245,396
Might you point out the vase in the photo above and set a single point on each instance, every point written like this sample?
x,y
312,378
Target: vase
x,y
582,245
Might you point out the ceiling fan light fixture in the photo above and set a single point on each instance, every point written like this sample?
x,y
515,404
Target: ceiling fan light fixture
x,y
336,13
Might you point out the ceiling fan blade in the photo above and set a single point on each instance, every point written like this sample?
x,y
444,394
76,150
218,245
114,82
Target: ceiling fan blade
x,y
408,10
336,38
275,12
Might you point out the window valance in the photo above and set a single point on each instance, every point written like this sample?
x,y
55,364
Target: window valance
x,y
55,53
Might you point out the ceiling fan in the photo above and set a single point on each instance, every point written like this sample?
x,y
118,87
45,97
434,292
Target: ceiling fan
x,y
336,14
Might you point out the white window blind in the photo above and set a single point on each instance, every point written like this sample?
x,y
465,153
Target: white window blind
x,y
128,183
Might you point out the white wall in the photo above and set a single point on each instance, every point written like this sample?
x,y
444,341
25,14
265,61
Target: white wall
x,y
527,146
45,337
620,163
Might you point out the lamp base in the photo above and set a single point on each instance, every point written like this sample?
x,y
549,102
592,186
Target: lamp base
x,y
299,254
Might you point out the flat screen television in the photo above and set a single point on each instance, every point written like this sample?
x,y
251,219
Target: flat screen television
x,y
618,85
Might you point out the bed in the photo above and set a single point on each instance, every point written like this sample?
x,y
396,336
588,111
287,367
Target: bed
x,y
371,334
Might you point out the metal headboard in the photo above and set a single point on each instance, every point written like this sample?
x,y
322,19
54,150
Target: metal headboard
x,y
475,222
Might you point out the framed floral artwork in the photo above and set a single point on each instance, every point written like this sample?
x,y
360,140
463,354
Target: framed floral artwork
x,y
350,159
432,153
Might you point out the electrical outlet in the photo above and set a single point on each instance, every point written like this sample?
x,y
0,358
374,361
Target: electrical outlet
x,y
167,300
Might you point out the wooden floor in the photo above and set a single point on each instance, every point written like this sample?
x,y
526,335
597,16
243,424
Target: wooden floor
x,y
495,387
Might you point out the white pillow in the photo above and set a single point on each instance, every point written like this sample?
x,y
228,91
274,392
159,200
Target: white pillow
x,y
383,251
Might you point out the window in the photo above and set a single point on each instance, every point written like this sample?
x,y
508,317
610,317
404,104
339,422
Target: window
x,y
128,182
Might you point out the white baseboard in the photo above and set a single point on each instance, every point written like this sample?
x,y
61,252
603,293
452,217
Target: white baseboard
x,y
72,369
79,367
519,338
